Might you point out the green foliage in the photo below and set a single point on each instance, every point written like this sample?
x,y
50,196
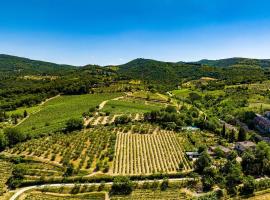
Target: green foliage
x,y
123,119
3,141
74,124
14,136
242,135
202,162
164,185
122,185
69,170
257,162
248,185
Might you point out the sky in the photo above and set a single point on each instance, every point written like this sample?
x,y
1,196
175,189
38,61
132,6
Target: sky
x,y
105,32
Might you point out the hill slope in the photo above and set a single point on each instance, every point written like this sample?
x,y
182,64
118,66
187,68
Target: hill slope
x,y
262,63
14,64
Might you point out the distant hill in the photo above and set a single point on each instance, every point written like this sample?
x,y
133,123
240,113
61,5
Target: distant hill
x,y
158,71
14,64
169,74
229,62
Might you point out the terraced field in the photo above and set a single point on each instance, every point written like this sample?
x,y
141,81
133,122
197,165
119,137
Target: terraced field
x,y
5,172
53,114
148,153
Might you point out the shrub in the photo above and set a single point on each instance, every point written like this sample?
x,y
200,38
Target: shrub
x,y
164,185
74,124
14,136
122,185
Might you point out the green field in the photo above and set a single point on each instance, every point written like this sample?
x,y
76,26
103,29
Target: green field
x,y
129,106
53,114
181,92
30,110
150,95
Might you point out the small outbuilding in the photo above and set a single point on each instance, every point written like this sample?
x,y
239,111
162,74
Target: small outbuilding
x,y
192,154
245,145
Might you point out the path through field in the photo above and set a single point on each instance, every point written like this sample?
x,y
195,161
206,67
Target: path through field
x,y
25,189
42,103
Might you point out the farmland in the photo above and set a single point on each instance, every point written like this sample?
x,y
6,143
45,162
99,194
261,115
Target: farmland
x,y
5,172
52,196
53,114
89,150
129,106
146,154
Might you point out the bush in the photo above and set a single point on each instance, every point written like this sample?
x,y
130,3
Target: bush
x,y
249,185
3,141
164,185
14,136
122,185
74,124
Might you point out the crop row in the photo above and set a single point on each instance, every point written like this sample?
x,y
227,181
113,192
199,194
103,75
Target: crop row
x,y
148,153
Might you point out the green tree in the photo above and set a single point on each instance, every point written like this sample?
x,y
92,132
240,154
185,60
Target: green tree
x,y
164,185
74,124
3,141
69,170
25,114
14,135
203,161
223,132
242,135
122,185
248,185
234,176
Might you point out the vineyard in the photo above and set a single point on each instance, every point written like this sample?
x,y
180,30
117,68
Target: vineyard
x,y
52,196
5,172
148,194
106,120
53,114
148,153
89,150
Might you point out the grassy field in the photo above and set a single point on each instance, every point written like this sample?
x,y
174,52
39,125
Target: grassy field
x,y
129,106
150,95
53,114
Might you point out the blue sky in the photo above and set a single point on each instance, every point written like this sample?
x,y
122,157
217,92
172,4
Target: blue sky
x,y
106,32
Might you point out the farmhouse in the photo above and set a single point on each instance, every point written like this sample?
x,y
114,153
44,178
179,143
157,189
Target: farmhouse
x,y
222,148
262,124
242,146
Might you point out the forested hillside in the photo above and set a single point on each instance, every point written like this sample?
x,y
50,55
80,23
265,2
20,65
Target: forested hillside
x,y
18,65
262,63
